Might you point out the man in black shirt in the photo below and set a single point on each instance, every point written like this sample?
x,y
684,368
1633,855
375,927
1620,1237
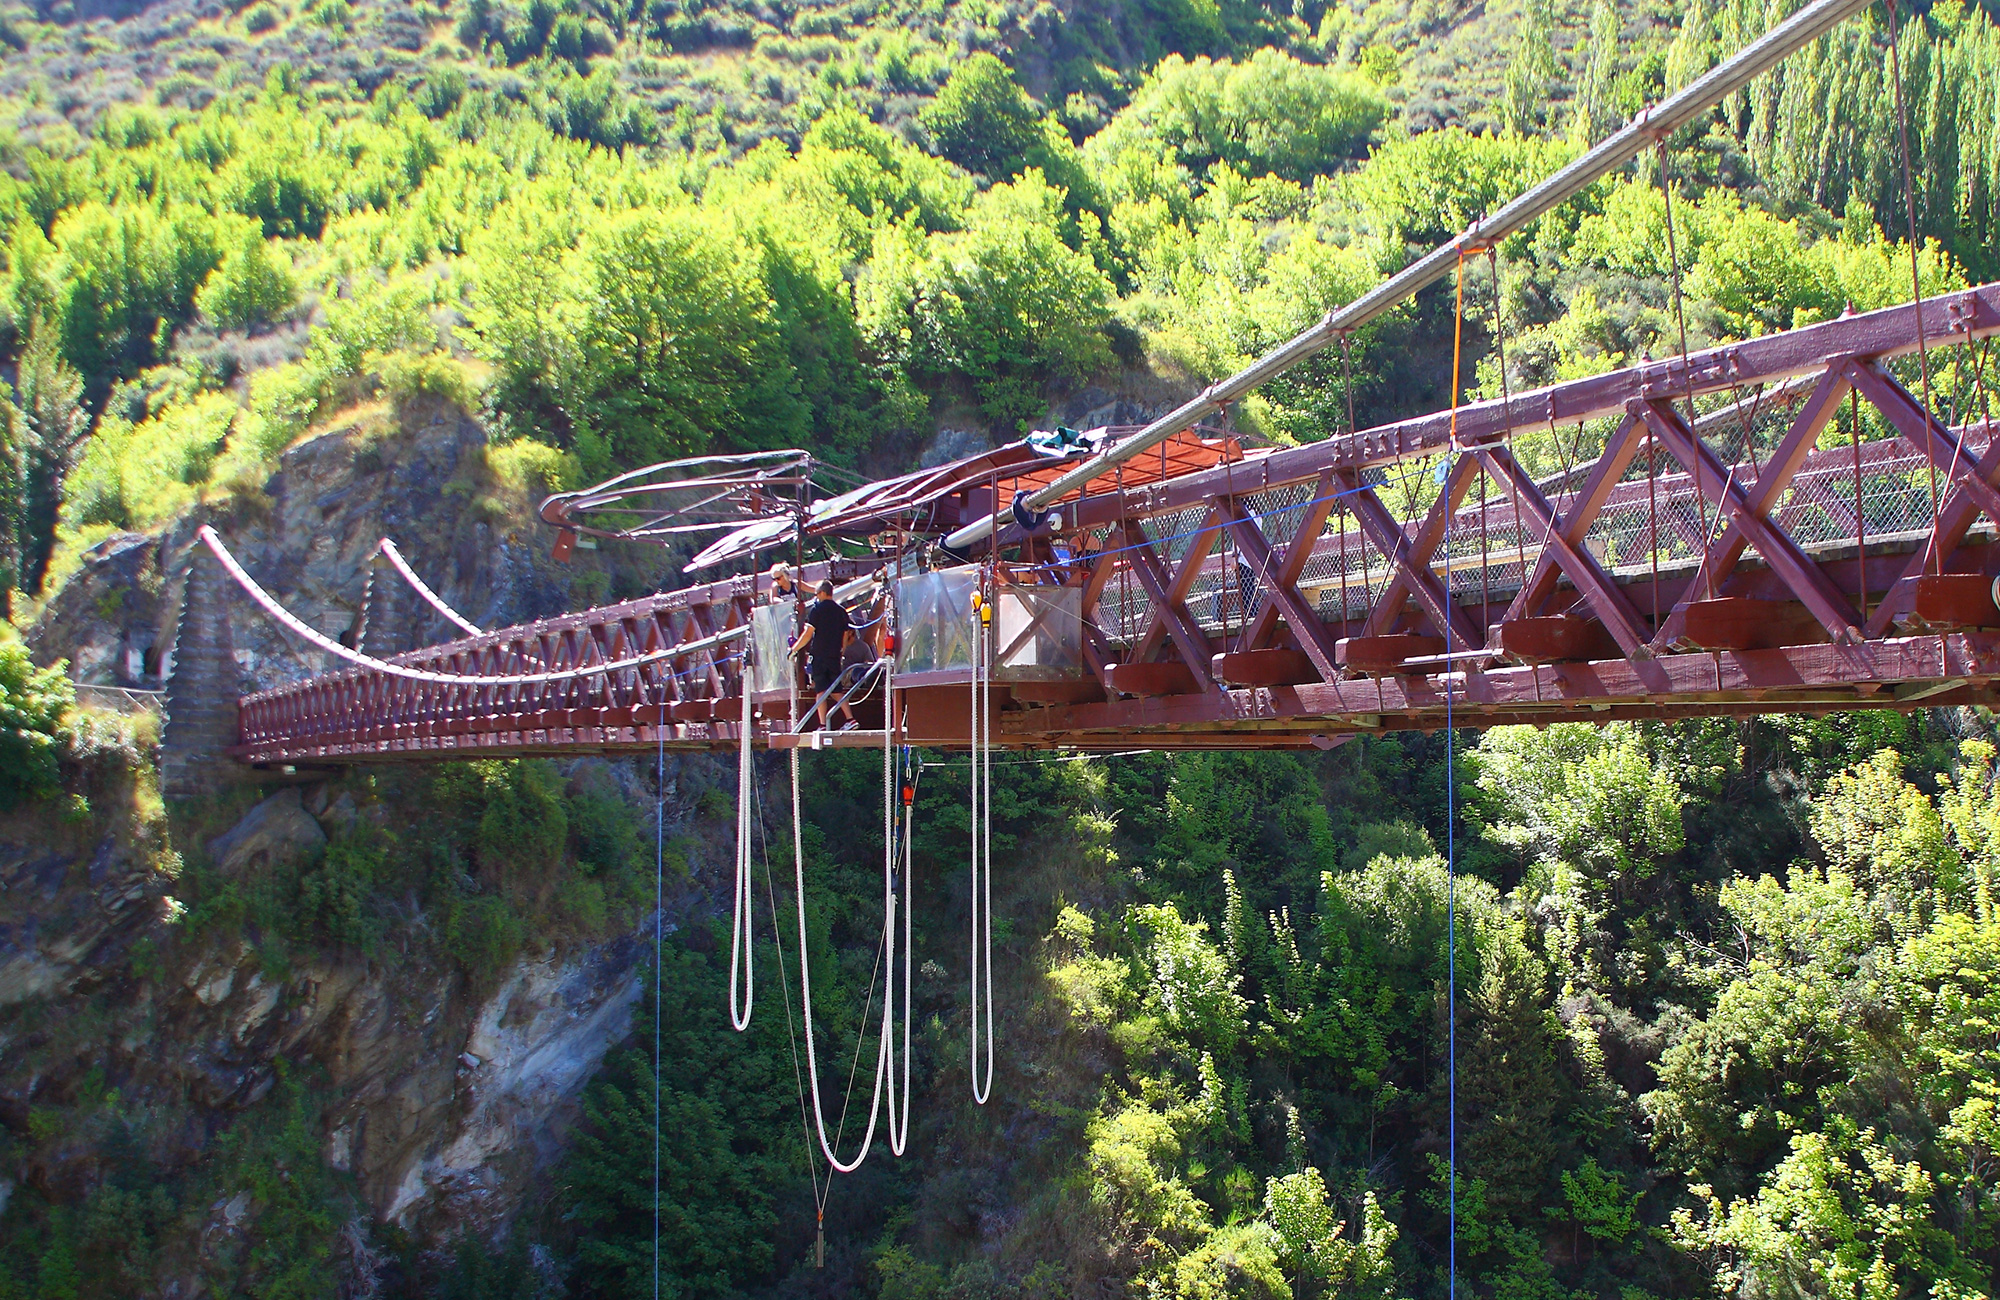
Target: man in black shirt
x,y
823,637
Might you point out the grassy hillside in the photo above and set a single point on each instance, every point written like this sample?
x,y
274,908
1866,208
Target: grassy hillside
x,y
737,72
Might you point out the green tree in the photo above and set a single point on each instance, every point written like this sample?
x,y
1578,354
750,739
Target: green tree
x,y
253,285
48,396
727,1136
982,119
33,704
1595,104
1006,304
1531,74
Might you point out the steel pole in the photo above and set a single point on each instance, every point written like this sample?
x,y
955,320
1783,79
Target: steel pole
x,y
1662,119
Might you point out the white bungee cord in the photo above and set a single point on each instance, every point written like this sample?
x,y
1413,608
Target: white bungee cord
x,y
741,970
982,837
885,1048
897,894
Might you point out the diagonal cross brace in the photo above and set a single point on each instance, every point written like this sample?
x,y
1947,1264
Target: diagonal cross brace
x,y
1284,598
1416,556
1619,451
1930,436
1388,537
1801,576
1184,577
1281,574
1188,640
1607,600
1969,492
1721,558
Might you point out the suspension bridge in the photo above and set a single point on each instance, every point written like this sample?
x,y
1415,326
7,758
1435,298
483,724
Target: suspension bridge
x,y
1799,521
1802,521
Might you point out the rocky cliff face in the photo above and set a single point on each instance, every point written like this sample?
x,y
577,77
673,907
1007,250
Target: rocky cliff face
x,y
445,1097
439,1097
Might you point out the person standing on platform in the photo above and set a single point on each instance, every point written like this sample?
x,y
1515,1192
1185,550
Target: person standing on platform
x,y
822,640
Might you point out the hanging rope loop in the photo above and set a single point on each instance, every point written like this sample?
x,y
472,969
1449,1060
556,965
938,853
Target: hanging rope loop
x,y
982,834
741,967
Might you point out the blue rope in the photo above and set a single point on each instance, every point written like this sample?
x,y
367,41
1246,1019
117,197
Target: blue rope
x,y
1451,874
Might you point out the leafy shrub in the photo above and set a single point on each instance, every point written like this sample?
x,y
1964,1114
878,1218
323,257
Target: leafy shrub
x,y
408,375
33,704
136,475
376,316
982,119
653,335
1006,303
333,895
1268,115
484,933
534,467
253,285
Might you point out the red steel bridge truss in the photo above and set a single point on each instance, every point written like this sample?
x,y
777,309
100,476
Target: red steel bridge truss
x,y
1700,536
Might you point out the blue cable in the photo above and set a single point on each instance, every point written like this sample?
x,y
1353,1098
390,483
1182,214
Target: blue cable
x,y
659,936
1451,910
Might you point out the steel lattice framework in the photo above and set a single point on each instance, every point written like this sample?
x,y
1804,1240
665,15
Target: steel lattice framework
x,y
1705,546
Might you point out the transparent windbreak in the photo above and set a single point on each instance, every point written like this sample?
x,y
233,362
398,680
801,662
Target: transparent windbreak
x,y
771,634
1038,632
934,620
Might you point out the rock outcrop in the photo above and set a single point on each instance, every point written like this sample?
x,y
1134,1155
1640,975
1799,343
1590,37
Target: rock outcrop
x,y
448,1097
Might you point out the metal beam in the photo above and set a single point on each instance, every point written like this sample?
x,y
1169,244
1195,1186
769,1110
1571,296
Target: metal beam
x,y
1654,123
1961,316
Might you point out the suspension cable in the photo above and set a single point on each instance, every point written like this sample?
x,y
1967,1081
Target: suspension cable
x,y
387,549
1933,556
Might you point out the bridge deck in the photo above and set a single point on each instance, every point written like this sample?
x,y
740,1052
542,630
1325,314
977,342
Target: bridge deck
x,y
1698,552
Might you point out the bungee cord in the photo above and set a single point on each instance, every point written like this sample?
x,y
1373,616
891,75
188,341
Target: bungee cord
x,y
982,838
741,969
893,884
905,889
659,946
1451,846
821,1189
805,986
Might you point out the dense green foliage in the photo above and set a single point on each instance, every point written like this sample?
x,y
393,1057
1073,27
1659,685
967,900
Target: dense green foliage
x,y
1724,1028
34,703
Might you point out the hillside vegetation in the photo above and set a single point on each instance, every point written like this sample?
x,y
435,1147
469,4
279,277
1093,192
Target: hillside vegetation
x,y
1726,991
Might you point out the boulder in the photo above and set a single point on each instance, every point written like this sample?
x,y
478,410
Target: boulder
x,y
278,829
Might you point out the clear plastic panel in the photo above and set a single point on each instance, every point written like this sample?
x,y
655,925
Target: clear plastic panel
x,y
934,620
771,634
1038,634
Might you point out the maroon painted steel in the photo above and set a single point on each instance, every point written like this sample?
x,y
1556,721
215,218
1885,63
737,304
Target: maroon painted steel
x,y
1726,582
